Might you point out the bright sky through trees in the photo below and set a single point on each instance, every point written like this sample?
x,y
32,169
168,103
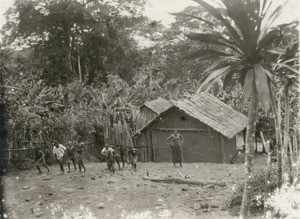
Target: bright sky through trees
x,y
159,9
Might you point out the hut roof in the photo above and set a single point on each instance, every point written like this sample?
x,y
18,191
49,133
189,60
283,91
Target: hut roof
x,y
211,111
159,105
214,113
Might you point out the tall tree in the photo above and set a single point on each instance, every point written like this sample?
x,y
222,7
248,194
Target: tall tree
x,y
80,39
249,37
287,75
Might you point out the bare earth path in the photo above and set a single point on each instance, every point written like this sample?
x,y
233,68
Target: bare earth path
x,y
100,194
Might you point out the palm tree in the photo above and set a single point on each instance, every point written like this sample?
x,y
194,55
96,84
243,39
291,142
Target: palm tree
x,y
288,79
249,37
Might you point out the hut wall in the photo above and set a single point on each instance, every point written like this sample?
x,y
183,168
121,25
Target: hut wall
x,y
201,143
197,146
147,113
229,149
144,145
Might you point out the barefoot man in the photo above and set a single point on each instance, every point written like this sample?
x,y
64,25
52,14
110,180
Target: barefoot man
x,y
110,156
80,149
39,158
175,141
59,152
70,155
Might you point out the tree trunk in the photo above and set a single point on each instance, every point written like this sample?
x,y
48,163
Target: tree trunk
x,y
268,171
297,172
249,153
278,135
295,146
285,159
79,67
292,156
71,51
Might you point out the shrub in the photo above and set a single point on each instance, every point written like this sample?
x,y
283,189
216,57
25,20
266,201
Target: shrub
x,y
258,193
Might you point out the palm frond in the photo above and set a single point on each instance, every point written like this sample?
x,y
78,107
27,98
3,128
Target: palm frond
x,y
205,52
213,75
211,38
213,11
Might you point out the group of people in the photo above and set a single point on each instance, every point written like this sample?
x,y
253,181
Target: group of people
x,y
120,154
74,154
113,154
63,155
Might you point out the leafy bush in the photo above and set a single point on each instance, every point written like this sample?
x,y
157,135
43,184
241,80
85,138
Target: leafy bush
x,y
258,193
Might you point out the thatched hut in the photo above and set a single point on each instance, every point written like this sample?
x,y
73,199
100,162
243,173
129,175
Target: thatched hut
x,y
208,126
151,109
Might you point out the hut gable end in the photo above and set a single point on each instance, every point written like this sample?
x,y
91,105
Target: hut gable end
x,y
159,105
178,119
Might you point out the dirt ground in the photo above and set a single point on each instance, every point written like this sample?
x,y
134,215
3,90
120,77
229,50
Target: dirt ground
x,y
125,194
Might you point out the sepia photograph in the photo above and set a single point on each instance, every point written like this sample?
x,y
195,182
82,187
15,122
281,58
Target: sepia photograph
x,y
149,109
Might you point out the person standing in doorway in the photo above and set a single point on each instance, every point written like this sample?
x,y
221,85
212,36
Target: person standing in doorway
x,y
175,142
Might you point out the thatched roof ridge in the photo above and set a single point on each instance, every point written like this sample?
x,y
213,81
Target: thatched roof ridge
x,y
158,105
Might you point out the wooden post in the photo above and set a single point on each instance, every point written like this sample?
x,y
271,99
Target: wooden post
x,y
9,157
153,147
222,149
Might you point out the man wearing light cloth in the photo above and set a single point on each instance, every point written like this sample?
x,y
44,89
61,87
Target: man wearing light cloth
x,y
175,141
59,152
110,157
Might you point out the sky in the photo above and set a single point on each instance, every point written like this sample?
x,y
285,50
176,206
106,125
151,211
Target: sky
x,y
160,9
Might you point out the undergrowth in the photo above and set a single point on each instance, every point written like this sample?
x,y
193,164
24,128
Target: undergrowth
x,y
258,193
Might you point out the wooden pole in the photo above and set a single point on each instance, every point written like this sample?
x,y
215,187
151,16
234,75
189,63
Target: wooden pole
x,y
188,182
222,149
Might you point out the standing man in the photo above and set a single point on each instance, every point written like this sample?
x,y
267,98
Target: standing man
x,y
110,156
175,141
39,158
59,152
121,155
134,153
80,152
70,155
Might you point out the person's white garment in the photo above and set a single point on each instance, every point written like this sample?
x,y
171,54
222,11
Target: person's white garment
x,y
59,151
104,151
